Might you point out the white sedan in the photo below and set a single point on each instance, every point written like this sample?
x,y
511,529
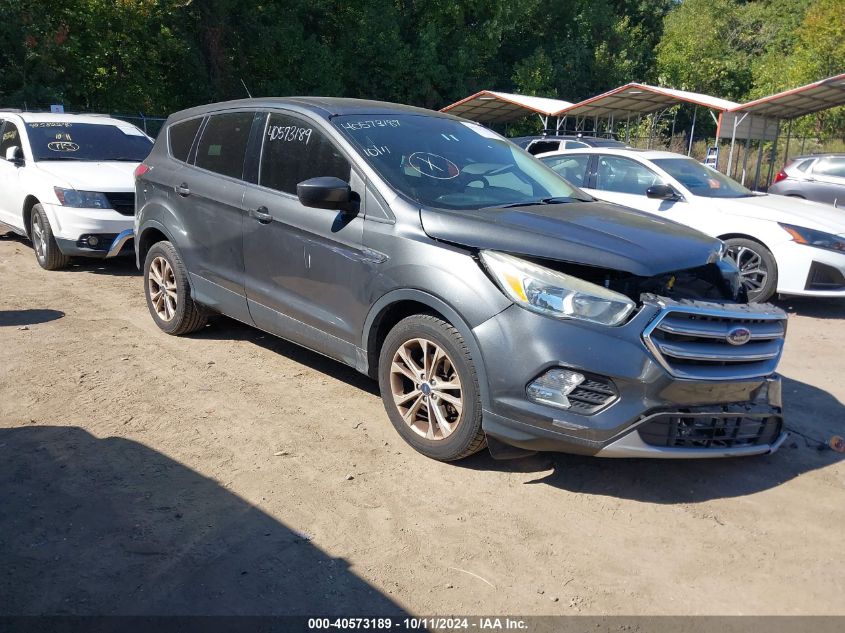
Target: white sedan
x,y
781,245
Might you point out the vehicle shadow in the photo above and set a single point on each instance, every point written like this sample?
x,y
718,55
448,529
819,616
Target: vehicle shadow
x,y
120,266
109,526
222,328
812,416
817,307
28,317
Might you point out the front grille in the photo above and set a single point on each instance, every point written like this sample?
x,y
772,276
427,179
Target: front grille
x,y
725,429
591,396
122,202
699,340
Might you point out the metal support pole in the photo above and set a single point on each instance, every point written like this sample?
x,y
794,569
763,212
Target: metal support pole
x,y
774,156
788,137
745,151
672,134
628,130
595,126
737,121
759,161
692,129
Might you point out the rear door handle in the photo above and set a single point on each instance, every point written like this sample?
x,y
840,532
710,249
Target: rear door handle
x,y
262,214
183,189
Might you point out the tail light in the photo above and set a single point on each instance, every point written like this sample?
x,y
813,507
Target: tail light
x,y
781,175
141,169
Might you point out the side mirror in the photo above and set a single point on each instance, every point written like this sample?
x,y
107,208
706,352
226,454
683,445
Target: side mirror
x,y
14,154
328,192
662,192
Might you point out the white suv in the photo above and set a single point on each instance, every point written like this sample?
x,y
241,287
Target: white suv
x,y
66,182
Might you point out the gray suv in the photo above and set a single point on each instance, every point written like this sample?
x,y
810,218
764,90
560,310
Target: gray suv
x,y
495,303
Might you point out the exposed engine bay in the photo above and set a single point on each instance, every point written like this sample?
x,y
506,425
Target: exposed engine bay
x,y
718,281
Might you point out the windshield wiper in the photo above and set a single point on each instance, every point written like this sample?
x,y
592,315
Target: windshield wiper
x,y
529,203
62,158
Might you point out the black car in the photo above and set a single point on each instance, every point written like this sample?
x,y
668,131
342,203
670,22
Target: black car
x,y
495,303
550,143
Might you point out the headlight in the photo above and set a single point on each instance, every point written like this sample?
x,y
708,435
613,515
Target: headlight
x,y
811,237
86,199
552,293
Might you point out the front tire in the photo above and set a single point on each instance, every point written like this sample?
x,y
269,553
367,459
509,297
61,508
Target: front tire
x,y
757,268
47,251
168,292
430,390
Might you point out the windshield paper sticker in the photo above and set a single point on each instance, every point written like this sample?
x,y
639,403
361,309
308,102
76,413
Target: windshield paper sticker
x,y
130,130
482,131
433,166
289,133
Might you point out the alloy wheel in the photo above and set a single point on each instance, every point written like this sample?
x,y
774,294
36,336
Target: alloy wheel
x,y
162,288
38,237
752,268
426,388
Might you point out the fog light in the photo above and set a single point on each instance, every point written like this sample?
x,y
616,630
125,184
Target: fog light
x,y
93,240
553,387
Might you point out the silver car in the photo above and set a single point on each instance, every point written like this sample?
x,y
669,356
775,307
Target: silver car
x,y
820,178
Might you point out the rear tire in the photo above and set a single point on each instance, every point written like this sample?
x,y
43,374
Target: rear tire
x,y
168,292
757,267
47,252
430,390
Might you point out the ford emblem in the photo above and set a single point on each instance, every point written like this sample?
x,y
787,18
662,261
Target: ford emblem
x,y
739,336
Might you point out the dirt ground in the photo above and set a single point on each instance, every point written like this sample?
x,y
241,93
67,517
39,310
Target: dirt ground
x,y
146,474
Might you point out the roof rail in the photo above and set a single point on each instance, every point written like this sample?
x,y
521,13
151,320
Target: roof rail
x,y
11,110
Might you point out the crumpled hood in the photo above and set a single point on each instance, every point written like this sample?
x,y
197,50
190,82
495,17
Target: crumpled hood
x,y
591,233
91,175
812,215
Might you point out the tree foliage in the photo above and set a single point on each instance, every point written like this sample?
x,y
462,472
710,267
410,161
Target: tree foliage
x,y
157,56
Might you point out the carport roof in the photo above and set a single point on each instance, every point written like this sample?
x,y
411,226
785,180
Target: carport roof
x,y
635,98
488,106
789,104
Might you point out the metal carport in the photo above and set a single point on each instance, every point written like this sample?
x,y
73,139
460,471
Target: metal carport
x,y
761,119
636,99
490,107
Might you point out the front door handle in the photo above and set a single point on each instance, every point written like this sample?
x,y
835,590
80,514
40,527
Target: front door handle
x,y
262,214
183,190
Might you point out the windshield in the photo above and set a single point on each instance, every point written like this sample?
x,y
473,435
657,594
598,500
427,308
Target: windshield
x,y
701,180
440,162
65,140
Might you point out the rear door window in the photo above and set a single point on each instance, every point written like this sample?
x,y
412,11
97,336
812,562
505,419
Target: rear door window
x,y
572,168
623,175
540,147
833,166
223,144
181,136
295,150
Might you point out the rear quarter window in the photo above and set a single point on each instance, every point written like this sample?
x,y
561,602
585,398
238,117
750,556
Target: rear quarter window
x,y
181,138
222,146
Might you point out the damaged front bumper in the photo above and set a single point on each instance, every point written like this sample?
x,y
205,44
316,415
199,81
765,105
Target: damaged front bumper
x,y
696,404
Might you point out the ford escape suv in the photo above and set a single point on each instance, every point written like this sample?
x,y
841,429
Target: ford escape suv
x,y
494,302
66,183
